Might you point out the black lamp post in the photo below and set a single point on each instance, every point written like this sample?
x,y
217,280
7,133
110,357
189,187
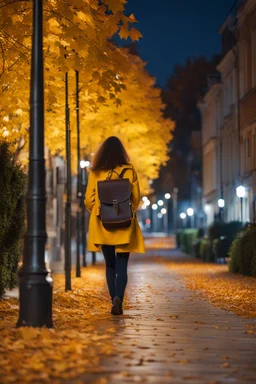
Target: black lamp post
x,y
34,282
79,182
83,218
68,194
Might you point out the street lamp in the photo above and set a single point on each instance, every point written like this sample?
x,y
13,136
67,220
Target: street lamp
x,y
183,217
221,205
175,208
160,203
165,214
190,213
154,218
240,192
79,181
35,283
167,197
84,164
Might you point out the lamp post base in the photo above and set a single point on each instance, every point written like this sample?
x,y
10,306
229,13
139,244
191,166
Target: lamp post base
x,y
35,300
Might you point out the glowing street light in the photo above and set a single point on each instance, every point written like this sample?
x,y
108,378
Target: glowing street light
x,y
84,164
167,196
147,203
160,203
163,211
221,203
154,207
144,198
183,217
240,192
190,212
159,215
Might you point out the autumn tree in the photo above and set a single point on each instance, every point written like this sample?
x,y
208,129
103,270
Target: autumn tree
x,y
76,37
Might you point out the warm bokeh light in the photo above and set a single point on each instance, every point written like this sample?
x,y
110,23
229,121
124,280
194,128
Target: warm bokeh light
x,y
84,164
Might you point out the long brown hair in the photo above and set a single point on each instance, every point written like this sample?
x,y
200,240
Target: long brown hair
x,y
110,155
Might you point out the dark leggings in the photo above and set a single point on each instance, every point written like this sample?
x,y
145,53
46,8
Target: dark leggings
x,y
116,270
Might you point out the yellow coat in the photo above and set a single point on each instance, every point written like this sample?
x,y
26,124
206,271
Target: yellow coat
x,y
125,239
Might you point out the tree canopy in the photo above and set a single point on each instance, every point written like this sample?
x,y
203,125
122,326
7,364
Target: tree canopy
x,y
117,96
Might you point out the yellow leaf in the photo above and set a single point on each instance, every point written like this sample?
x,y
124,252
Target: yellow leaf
x,y
124,33
132,18
135,34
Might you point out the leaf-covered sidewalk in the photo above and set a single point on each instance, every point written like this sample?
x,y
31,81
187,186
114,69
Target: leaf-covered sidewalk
x,y
226,290
170,332
73,347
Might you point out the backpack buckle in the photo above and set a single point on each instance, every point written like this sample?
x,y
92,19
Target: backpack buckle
x,y
115,204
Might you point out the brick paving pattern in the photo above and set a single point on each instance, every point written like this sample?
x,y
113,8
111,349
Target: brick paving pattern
x,y
167,335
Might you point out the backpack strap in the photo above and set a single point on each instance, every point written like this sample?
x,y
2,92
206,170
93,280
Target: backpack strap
x,y
111,173
123,172
120,176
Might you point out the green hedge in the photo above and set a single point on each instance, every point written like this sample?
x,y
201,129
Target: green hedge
x,y
12,214
187,237
243,253
206,252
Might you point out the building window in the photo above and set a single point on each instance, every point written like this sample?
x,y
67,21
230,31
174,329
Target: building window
x,y
254,150
243,68
253,58
247,148
231,90
226,100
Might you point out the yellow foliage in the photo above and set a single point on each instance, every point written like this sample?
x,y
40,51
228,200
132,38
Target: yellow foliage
x,y
117,96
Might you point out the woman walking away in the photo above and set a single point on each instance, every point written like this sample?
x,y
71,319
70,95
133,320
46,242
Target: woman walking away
x,y
112,197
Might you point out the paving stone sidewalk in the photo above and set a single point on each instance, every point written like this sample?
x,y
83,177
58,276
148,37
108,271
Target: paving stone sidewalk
x,y
167,335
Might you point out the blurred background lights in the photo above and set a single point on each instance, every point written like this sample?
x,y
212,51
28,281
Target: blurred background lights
x,y
190,211
84,163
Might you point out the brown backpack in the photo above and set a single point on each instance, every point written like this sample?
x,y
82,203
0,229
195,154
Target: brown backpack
x,y
115,201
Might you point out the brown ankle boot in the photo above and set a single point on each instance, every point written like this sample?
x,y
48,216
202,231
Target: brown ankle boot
x,y
115,307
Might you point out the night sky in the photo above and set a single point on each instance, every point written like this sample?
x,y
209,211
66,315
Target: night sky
x,y
176,29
